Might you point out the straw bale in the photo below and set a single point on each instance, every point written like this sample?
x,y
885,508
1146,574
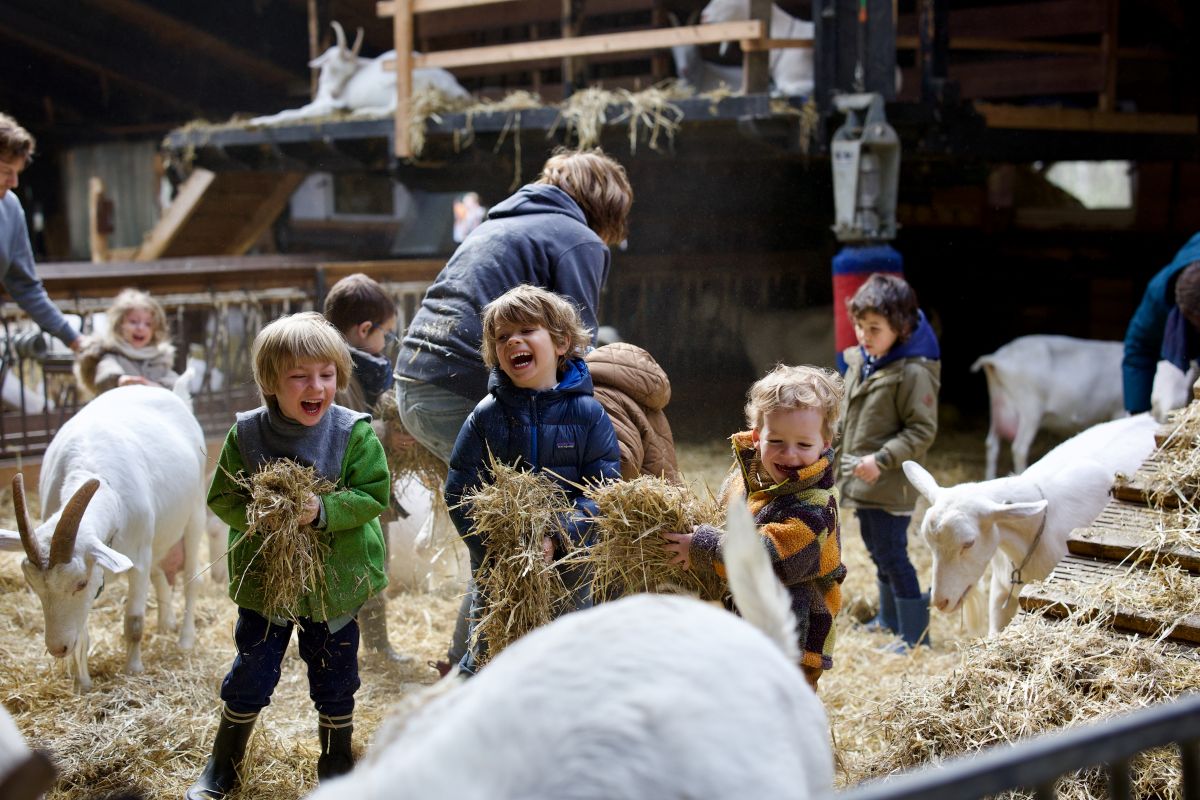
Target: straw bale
x,y
628,554
1035,676
291,556
520,591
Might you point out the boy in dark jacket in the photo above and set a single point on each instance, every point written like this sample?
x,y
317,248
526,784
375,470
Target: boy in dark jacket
x,y
540,414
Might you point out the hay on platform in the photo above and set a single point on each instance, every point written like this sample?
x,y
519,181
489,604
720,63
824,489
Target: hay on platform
x,y
1033,677
289,556
628,554
585,113
429,102
519,590
1169,593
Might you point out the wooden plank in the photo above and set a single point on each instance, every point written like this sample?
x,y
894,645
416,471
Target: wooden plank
x,y
1044,19
1075,119
402,35
177,214
431,27
387,9
1126,545
1055,597
268,211
1029,77
1140,487
631,42
986,44
755,45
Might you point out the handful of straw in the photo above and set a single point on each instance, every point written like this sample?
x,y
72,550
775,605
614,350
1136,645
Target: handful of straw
x,y
628,555
291,556
520,590
415,459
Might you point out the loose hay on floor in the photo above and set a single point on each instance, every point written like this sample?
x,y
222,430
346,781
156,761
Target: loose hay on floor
x,y
290,556
520,591
628,556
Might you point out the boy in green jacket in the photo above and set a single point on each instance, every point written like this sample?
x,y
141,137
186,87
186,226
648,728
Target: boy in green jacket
x,y
300,362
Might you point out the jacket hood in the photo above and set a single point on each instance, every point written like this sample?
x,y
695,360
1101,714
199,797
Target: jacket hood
x,y
632,370
575,380
922,344
538,198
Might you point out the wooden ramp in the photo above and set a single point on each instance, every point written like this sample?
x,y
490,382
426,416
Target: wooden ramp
x,y
219,214
1124,544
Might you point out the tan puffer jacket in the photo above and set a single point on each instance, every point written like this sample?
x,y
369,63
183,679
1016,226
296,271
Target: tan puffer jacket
x,y
634,390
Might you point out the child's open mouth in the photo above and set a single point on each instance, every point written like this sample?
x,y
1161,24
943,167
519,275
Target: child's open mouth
x,y
311,407
787,469
521,360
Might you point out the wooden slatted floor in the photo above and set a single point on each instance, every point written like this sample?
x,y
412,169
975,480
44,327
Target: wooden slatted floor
x,y
1128,532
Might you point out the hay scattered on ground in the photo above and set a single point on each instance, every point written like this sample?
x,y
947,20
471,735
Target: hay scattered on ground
x,y
628,554
520,590
1035,676
290,556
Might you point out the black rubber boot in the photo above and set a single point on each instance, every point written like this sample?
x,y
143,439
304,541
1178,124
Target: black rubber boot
x,y
220,774
336,757
914,619
886,619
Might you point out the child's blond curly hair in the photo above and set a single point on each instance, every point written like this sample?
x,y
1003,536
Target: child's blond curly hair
x,y
527,304
128,300
296,339
789,388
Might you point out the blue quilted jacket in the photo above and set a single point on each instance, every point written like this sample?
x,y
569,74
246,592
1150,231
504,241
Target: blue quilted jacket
x,y
563,429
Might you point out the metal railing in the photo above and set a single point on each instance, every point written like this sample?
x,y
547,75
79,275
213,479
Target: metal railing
x,y
1038,763
215,307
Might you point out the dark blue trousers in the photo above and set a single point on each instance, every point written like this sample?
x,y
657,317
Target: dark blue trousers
x,y
332,660
886,538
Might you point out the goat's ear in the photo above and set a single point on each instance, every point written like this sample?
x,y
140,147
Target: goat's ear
x,y
9,540
108,558
1017,510
922,481
322,59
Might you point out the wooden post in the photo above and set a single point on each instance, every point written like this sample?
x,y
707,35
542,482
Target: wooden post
x,y
933,39
1108,54
756,72
100,221
402,30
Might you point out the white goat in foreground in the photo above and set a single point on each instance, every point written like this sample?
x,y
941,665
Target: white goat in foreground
x,y
24,774
348,82
792,67
1022,521
1058,383
649,696
121,482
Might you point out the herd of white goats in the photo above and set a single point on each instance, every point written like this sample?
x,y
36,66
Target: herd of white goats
x,y
125,479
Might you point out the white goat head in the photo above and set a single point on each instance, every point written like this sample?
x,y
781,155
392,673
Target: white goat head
x,y
66,581
961,528
337,64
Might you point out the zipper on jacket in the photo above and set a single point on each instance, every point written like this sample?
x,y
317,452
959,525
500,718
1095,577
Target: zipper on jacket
x,y
533,434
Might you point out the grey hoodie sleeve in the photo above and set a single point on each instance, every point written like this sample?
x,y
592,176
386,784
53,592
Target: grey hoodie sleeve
x,y
22,283
580,274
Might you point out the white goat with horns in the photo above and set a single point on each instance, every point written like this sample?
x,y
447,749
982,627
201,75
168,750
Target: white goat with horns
x,y
121,482
348,82
646,696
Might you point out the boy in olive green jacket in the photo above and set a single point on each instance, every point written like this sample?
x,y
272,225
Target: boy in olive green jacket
x,y
300,362
890,416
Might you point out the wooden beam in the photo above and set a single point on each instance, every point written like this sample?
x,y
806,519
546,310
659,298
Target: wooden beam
x,y
1076,119
179,36
1029,77
1022,21
387,9
176,215
267,212
530,12
632,42
1108,55
756,67
754,45
402,35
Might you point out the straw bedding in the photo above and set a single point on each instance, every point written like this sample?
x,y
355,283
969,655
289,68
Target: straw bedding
x,y
887,711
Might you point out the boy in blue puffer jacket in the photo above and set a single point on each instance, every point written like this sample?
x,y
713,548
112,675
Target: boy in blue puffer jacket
x,y
539,413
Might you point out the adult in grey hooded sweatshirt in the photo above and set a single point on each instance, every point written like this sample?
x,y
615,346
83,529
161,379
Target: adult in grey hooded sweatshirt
x,y
554,234
16,253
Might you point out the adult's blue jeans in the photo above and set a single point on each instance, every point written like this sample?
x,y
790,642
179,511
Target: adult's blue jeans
x,y
886,538
434,416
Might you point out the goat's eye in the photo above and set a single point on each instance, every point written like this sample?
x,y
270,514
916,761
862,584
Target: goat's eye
x,y
79,587
968,545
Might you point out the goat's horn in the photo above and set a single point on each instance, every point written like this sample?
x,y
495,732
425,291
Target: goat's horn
x,y
341,34
24,528
357,42
62,543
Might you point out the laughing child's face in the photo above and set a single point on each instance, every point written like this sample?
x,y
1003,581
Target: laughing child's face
x,y
790,440
528,354
137,326
305,392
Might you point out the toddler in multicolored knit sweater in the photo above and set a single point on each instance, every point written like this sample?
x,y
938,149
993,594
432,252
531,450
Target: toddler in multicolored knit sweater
x,y
783,466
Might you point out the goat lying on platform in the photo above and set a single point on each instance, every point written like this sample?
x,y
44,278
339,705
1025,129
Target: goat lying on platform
x,y
1022,521
1058,383
121,482
649,696
348,82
